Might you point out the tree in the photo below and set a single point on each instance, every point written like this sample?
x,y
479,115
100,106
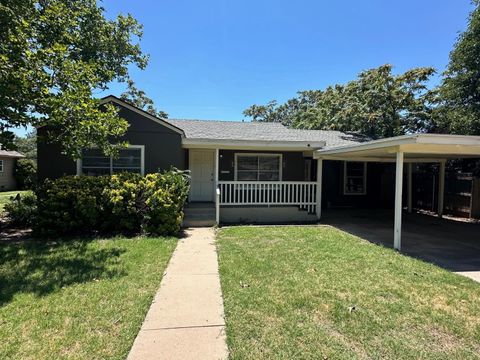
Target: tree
x,y
27,145
377,104
458,111
138,98
53,55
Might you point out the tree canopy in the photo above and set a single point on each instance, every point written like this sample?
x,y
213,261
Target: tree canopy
x,y
458,111
376,104
139,98
27,145
53,55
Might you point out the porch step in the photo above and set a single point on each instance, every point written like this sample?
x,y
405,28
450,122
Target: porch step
x,y
199,214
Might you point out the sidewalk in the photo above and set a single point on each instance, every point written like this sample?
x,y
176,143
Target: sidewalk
x,y
185,320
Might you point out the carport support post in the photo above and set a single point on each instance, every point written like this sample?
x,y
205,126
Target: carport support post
x,y
441,188
319,188
397,235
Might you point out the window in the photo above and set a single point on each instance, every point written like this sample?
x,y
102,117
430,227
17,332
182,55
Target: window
x,y
355,178
95,163
1,166
258,167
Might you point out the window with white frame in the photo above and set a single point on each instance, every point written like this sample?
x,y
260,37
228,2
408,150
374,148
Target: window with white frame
x,y
258,167
1,166
95,163
355,178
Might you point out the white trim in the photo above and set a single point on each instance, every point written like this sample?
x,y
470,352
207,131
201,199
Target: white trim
x,y
142,160
227,144
393,142
364,192
111,98
406,139
280,156
2,163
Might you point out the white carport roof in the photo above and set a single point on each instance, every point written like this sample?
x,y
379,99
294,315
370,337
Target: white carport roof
x,y
418,147
401,149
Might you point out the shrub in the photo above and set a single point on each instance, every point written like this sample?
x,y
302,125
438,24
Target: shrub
x,y
165,195
22,210
71,204
118,203
26,174
122,203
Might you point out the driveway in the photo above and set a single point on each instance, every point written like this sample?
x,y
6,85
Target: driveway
x,y
454,245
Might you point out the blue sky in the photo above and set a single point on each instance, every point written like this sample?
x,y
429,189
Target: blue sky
x,y
211,59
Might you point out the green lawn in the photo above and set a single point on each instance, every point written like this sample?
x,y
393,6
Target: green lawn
x,y
287,293
5,197
78,299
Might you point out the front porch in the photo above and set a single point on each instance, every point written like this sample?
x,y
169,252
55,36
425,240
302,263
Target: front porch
x,y
247,186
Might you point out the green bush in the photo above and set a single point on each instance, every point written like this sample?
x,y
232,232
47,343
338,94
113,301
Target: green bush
x,y
71,204
122,203
165,195
26,174
117,203
22,210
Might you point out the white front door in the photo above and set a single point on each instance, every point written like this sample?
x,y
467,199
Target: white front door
x,y
202,163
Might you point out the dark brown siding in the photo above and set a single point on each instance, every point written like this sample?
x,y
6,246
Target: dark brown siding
x,y
163,148
380,186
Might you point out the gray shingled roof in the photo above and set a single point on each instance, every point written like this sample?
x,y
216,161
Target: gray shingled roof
x,y
12,154
259,131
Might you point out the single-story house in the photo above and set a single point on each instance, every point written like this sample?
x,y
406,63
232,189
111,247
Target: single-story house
x,y
8,159
265,172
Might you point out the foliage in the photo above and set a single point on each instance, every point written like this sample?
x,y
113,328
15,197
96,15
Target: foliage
x,y
53,54
27,145
139,99
77,299
26,173
22,209
118,203
164,199
121,201
70,205
459,93
6,197
377,104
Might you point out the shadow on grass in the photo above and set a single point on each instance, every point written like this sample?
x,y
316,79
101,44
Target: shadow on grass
x,y
42,268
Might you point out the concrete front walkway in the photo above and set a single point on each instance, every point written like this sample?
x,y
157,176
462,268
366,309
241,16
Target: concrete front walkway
x,y
186,318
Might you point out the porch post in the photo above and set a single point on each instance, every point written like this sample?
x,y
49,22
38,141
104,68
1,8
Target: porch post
x,y
216,191
441,188
410,185
397,235
319,188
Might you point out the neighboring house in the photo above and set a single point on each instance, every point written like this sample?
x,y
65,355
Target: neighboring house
x,y
265,172
8,159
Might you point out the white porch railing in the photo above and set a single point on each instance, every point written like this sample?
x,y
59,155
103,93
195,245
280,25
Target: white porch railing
x,y
302,194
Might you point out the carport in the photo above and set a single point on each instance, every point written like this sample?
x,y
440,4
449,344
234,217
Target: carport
x,y
401,150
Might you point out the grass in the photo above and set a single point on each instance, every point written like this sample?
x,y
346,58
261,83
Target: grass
x,y
5,197
78,299
288,291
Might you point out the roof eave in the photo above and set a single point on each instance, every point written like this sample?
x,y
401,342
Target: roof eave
x,y
252,144
432,143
